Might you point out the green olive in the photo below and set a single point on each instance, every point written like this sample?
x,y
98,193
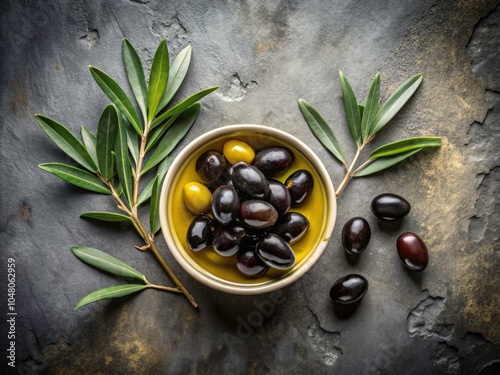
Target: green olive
x,y
236,151
197,198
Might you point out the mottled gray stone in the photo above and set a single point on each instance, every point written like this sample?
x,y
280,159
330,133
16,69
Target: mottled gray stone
x,y
264,56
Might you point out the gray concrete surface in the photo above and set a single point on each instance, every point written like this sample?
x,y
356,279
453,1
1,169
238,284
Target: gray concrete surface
x,y
264,56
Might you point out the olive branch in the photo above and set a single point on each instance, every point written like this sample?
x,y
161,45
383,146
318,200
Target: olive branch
x,y
125,148
364,122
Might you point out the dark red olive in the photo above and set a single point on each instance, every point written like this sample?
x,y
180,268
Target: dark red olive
x,y
226,239
225,204
390,207
349,289
275,252
279,196
249,180
258,214
247,261
274,160
210,166
291,227
412,251
356,234
300,184
200,232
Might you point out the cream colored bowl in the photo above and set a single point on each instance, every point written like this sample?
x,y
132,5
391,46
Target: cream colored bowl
x,y
221,273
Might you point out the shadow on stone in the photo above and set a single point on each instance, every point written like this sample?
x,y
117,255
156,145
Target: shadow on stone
x,y
352,259
389,226
345,310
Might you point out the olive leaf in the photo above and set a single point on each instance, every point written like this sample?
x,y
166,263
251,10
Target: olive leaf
x,y
404,145
116,94
89,141
370,108
105,216
110,292
189,101
351,109
132,139
122,162
135,75
76,176
67,142
395,102
106,139
321,129
383,163
158,78
105,262
173,136
176,75
154,209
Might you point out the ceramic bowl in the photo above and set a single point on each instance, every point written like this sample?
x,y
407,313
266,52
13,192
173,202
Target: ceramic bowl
x,y
220,272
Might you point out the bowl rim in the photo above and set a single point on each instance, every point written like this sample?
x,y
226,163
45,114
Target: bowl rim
x,y
248,289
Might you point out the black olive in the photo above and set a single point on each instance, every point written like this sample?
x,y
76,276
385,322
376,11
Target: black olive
x,y
210,166
225,204
390,207
356,235
200,233
300,184
291,226
274,160
279,196
226,239
412,251
275,252
247,261
349,289
258,214
249,180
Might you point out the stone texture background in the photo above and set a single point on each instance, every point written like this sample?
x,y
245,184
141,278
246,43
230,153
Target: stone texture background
x,y
264,56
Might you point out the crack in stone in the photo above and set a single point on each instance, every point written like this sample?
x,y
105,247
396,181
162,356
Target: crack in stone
x,y
447,357
423,319
236,90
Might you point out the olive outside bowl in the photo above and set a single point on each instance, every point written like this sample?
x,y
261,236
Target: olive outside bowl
x,y
218,272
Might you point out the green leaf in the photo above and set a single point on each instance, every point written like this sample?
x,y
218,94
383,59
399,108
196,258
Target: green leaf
x,y
67,142
132,138
76,176
361,110
99,259
105,216
123,162
110,292
395,102
162,171
176,75
89,140
321,129
154,209
106,139
404,145
371,107
383,163
135,75
189,101
159,131
351,109
173,135
158,78
117,96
